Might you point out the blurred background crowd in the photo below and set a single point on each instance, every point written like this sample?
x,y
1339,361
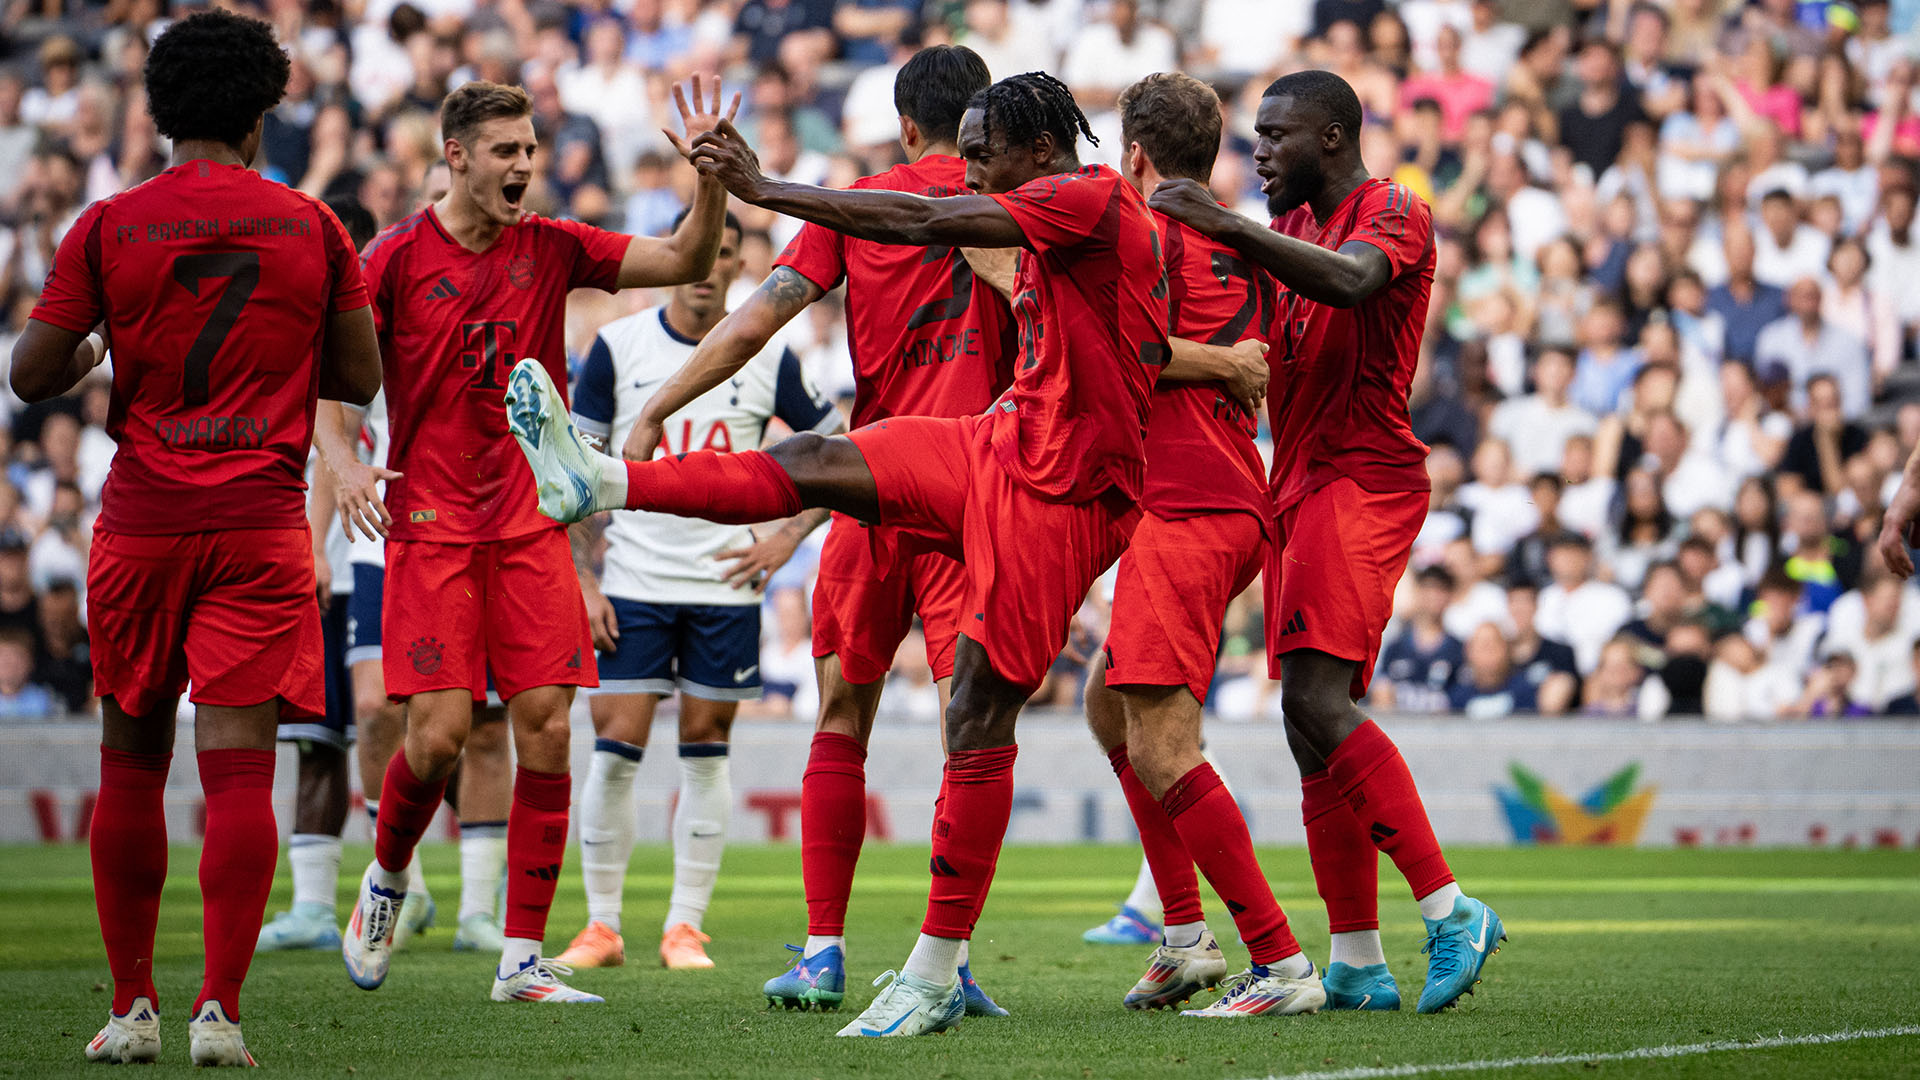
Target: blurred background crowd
x,y
1669,372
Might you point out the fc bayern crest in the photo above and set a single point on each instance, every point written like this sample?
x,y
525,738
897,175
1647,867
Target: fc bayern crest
x,y
520,271
426,654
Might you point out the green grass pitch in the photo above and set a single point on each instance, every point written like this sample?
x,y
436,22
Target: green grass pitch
x,y
1611,950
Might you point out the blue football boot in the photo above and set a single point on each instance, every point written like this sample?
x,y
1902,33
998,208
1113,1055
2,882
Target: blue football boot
x,y
816,982
1369,988
1457,948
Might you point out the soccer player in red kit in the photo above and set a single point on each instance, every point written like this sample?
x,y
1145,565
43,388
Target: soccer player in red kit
x,y
477,581
1350,490
231,303
1199,544
1038,495
926,340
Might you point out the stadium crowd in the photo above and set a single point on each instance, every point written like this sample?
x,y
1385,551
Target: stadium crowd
x,y
1670,366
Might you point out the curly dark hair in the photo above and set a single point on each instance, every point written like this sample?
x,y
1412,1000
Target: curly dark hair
x,y
212,75
1023,106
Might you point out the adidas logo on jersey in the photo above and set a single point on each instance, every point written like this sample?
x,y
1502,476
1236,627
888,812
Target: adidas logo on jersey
x,y
445,290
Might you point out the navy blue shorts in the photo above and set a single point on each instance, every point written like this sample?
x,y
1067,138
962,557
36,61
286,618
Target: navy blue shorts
x,y
708,651
363,612
336,728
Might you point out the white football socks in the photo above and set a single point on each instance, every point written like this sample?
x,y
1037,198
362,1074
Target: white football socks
x,y
483,862
1438,904
607,827
819,943
1185,935
1296,966
315,861
935,959
518,953
610,482
1145,897
699,830
1358,948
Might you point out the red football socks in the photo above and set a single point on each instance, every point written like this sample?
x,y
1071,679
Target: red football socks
x,y
1166,854
833,823
128,841
536,841
1215,835
735,489
972,823
1346,865
1373,777
407,806
236,867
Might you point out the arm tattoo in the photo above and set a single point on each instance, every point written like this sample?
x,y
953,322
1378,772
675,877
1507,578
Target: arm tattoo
x,y
789,290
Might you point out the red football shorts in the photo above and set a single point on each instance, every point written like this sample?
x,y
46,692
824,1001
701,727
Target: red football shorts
x,y
862,615
454,610
1170,596
234,612
1335,560
1029,562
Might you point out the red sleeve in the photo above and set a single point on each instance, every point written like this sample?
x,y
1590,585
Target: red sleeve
x,y
343,263
597,255
1060,210
70,297
817,254
1398,222
373,265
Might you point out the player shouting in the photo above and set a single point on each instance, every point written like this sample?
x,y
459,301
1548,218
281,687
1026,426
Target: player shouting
x,y
462,290
1038,496
233,303
1350,490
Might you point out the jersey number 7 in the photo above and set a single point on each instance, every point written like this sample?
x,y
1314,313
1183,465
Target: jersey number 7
x,y
242,271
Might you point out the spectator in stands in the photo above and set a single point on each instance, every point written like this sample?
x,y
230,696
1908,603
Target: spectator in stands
x,y
20,697
1488,688
1111,53
1459,92
1644,532
1594,125
1416,666
1576,609
1547,664
769,30
1606,367
1819,449
1825,565
1806,344
1745,305
1783,635
1827,696
1849,303
1880,647
1896,255
1662,607
1751,436
1908,704
1538,425
1528,559
1613,689
19,608
64,663
1677,686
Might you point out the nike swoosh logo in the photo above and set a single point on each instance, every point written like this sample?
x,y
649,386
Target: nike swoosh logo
x,y
745,673
1479,944
889,1029
1364,999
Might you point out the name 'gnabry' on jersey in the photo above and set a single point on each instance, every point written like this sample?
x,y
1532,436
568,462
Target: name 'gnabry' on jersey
x,y
664,558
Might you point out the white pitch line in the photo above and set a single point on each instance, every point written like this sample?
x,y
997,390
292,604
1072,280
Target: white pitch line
x,y
1645,1053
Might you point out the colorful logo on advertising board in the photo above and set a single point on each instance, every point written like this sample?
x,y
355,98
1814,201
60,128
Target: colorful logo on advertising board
x,y
1611,813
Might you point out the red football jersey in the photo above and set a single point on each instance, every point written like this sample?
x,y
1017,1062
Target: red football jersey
x,y
1201,458
1338,404
452,323
1090,300
927,340
216,286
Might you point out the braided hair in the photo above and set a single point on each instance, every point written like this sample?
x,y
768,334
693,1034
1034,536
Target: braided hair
x,y
1026,105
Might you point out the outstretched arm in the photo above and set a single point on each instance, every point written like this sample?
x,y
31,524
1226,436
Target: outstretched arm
x,y
722,353
688,254
1340,278
884,217
1897,527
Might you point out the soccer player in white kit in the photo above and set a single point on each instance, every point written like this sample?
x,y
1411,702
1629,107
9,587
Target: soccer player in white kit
x,y
677,607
